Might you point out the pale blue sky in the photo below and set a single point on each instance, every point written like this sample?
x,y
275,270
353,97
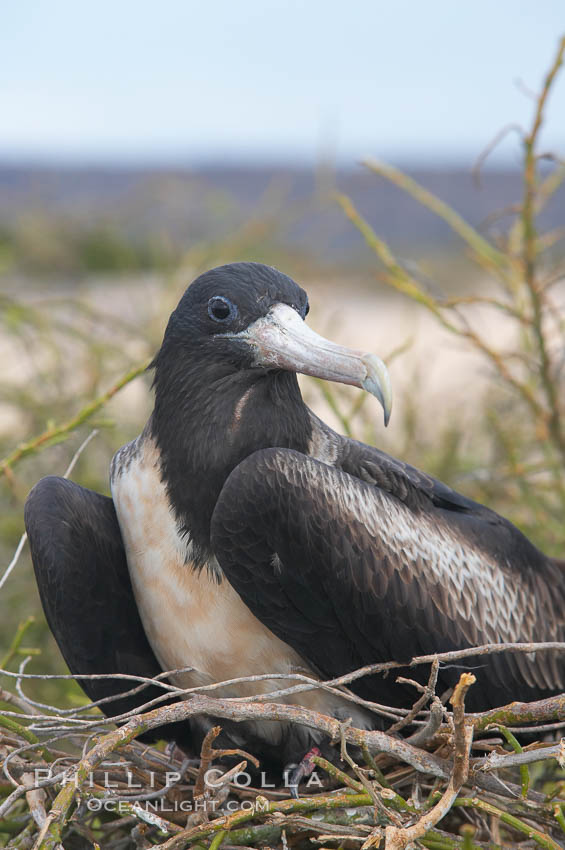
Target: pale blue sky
x,y
267,80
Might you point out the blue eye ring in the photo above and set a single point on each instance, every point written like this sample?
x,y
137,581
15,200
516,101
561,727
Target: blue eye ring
x,y
221,309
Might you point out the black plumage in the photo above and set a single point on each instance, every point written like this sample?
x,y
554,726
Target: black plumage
x,y
339,555
323,577
83,580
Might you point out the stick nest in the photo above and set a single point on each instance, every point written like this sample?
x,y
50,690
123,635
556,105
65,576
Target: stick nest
x,y
439,777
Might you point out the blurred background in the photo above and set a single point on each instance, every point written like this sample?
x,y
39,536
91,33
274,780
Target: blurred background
x,y
142,143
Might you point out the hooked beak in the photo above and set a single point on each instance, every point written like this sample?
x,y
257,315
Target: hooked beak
x,y
282,340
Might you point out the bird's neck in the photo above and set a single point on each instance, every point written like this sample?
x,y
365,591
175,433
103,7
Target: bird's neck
x,y
207,423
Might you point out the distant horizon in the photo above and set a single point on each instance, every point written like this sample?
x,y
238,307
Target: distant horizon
x,y
186,202
157,164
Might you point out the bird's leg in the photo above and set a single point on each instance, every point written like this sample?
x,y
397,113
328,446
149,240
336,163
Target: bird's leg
x,y
301,771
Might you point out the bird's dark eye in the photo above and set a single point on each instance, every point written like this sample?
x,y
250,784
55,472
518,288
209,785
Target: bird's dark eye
x,y
307,309
220,309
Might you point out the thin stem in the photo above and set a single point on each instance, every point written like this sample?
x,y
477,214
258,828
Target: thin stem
x,y
60,432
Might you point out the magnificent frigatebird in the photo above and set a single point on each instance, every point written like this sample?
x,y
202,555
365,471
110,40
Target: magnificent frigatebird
x,y
258,540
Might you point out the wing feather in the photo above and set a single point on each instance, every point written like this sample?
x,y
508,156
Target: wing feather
x,y
82,575
365,574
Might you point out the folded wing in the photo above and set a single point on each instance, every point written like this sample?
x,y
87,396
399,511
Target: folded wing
x,y
85,589
381,562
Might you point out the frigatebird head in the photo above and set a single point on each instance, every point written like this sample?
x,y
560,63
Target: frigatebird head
x,y
248,316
